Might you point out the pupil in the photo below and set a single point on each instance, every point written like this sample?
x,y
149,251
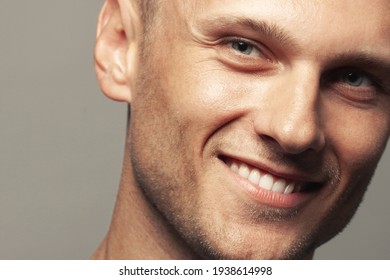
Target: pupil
x,y
242,46
353,77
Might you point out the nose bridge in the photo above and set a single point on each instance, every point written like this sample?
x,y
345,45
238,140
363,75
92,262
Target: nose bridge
x,y
295,124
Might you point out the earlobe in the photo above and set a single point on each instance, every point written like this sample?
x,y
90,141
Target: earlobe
x,y
114,51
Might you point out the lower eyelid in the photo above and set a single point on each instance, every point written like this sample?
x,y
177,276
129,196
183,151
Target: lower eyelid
x,y
254,45
370,79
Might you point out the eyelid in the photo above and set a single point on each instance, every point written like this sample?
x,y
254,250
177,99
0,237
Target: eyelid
x,y
336,75
365,95
259,47
238,39
376,82
369,81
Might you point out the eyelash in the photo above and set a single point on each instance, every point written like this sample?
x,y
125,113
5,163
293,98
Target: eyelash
x,y
339,76
251,62
246,62
365,93
243,41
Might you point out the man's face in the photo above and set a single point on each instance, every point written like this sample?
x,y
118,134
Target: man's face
x,y
257,125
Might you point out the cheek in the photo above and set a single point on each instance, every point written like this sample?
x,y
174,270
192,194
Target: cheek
x,y
356,139
360,144
198,103
357,136
207,96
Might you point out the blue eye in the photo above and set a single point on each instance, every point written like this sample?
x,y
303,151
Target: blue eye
x,y
242,47
244,55
356,79
245,48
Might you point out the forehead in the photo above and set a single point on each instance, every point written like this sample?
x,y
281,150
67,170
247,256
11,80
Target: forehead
x,y
361,25
310,9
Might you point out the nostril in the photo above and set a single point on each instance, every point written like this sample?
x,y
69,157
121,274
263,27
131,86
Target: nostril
x,y
297,140
267,138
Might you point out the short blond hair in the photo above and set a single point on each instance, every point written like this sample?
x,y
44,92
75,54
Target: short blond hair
x,y
148,11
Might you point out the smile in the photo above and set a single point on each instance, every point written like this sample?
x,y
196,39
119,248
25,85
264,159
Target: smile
x,y
270,189
263,179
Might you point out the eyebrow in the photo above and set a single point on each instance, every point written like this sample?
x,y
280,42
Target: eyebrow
x,y
362,59
268,30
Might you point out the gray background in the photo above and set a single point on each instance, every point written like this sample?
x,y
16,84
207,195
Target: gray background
x,y
61,142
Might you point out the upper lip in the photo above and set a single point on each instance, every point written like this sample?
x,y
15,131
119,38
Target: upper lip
x,y
280,171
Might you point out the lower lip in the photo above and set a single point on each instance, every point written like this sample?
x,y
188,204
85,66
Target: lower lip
x,y
270,198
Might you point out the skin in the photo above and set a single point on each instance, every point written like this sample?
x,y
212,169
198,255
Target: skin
x,y
308,102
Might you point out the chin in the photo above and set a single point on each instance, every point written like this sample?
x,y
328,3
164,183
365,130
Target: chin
x,y
251,243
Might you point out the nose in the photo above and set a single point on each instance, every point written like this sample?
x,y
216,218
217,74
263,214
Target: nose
x,y
292,115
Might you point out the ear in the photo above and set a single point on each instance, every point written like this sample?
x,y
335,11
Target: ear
x,y
116,58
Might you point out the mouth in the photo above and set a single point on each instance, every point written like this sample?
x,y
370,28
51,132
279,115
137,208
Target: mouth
x,y
269,188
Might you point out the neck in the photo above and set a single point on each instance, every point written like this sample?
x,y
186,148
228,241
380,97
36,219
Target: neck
x,y
138,230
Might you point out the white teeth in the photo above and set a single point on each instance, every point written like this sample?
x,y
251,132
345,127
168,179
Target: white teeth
x,y
289,188
244,171
254,176
279,186
234,167
264,180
